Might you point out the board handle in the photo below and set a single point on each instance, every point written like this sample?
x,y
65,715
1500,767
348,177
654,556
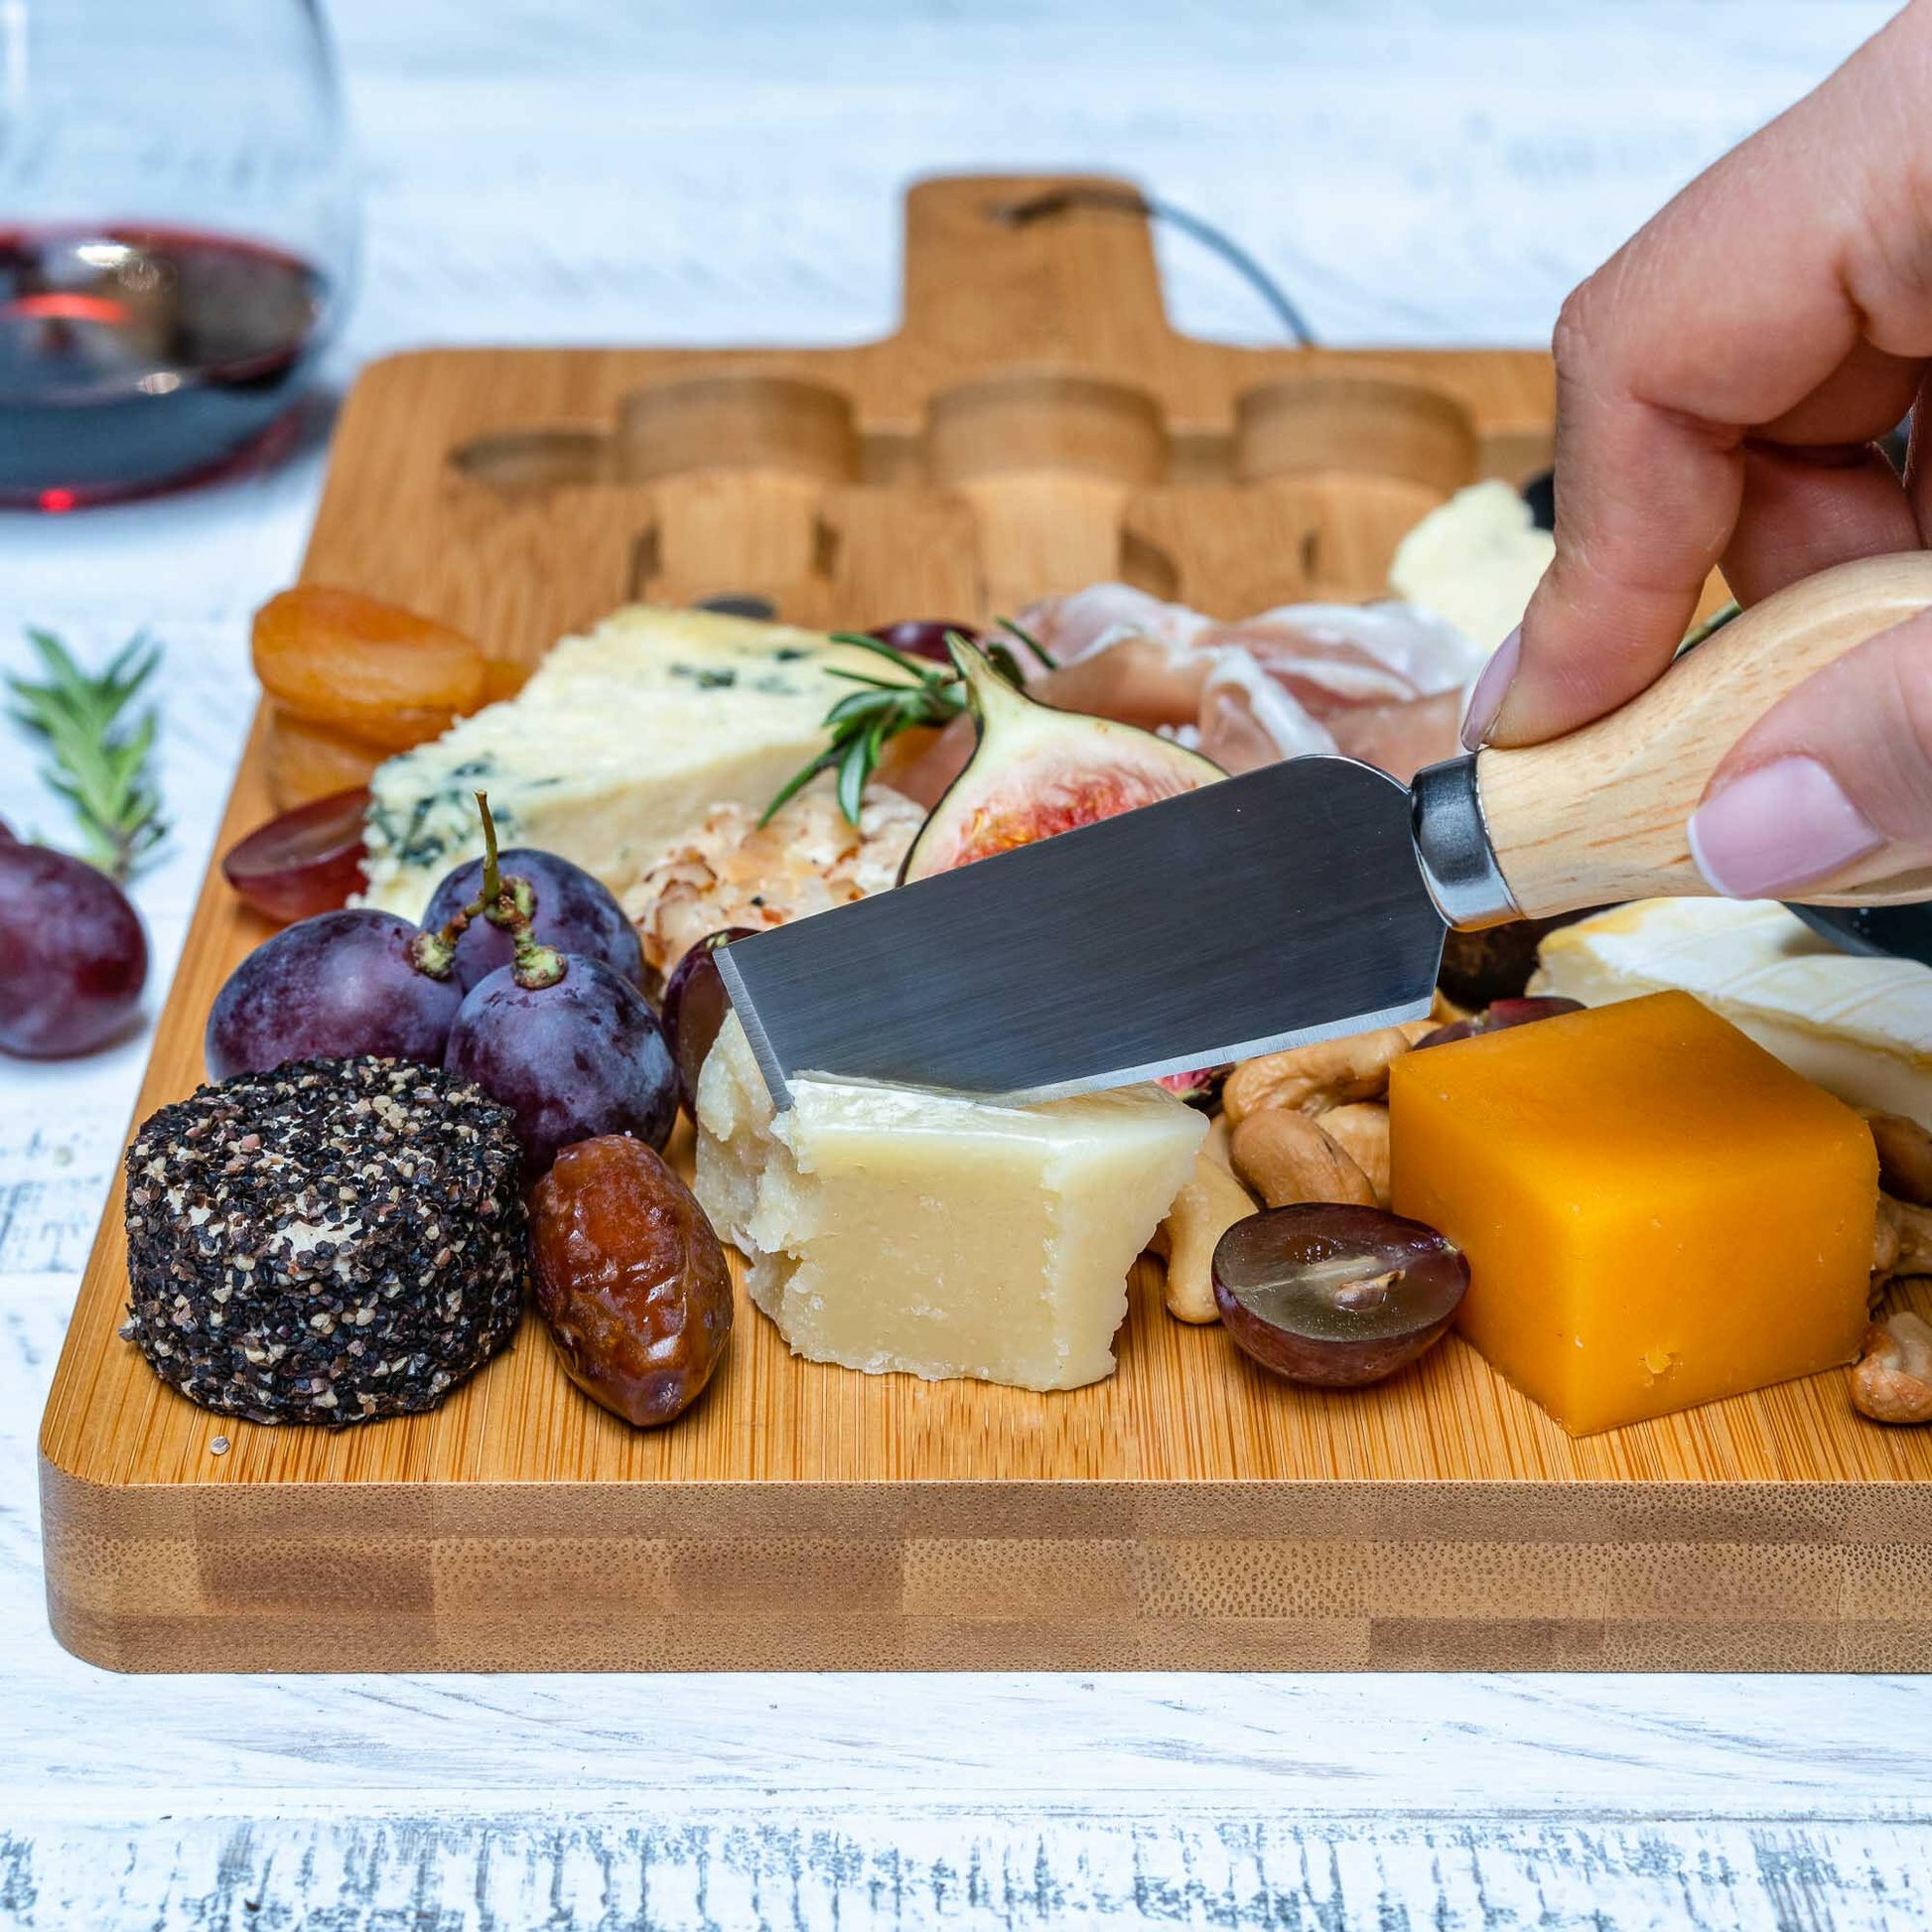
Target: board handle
x,y
1601,814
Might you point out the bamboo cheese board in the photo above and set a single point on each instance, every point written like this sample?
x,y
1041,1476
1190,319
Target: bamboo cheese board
x,y
1034,424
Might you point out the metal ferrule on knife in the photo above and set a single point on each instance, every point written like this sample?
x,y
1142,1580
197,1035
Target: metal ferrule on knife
x,y
1458,863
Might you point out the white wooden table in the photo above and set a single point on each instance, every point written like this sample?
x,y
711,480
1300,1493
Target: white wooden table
x,y
591,170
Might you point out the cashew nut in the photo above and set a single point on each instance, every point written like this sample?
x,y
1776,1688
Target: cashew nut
x,y
1361,1131
1210,1203
1328,1073
1904,1157
1902,1244
1892,1381
1285,1157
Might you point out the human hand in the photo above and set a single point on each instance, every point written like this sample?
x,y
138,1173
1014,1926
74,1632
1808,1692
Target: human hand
x,y
1721,382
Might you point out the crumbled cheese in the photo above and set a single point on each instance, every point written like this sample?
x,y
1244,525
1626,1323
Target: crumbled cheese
x,y
730,871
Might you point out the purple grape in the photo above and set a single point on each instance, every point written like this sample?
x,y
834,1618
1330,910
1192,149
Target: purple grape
x,y
328,989
575,912
922,637
73,956
1333,1294
572,1060
695,1005
1499,1016
6,834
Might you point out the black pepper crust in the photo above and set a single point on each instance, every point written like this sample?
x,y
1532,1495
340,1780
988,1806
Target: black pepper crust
x,y
332,1242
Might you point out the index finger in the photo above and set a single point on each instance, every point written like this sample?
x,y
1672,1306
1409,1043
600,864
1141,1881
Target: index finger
x,y
1795,271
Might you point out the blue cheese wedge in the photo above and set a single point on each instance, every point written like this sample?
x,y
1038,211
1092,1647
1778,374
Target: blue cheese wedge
x,y
1860,1029
621,741
891,1229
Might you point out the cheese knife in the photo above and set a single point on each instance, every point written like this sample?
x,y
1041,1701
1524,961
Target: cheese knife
x,y
1298,902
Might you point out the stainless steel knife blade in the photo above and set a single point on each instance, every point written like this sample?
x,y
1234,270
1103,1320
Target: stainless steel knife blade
x,y
1285,906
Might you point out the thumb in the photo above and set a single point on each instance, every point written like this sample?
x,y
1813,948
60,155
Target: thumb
x,y
1833,786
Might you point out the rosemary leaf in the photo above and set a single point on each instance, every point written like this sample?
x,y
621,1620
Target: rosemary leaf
x,y
855,768
861,704
1006,664
863,723
101,758
902,660
1031,642
875,683
797,782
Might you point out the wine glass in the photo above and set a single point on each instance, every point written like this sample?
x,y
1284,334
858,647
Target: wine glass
x,y
178,236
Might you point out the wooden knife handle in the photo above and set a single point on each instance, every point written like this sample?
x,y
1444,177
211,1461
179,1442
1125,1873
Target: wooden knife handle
x,y
1601,815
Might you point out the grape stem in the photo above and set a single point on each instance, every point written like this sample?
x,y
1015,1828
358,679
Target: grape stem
x,y
507,901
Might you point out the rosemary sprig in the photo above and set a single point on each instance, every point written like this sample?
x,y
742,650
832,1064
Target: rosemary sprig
x,y
863,721
102,755
1716,621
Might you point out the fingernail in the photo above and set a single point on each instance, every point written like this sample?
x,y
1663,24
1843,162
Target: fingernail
x,y
1778,828
1492,688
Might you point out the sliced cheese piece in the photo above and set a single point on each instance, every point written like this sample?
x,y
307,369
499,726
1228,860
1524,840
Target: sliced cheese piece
x,y
621,741
892,1229
1861,1028
1655,1212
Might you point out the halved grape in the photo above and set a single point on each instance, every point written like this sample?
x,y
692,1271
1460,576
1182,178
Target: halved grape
x,y
328,989
574,912
72,955
695,1005
573,1059
1336,1295
1500,1014
306,862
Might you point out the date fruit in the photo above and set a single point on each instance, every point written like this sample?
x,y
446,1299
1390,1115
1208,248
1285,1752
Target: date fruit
x,y
1336,1295
630,1279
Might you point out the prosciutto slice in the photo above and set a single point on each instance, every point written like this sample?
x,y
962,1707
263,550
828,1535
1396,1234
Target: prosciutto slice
x,y
1382,682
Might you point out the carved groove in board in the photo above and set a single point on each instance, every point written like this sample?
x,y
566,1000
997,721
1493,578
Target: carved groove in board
x,y
1035,421
1148,567
738,421
1368,422
534,458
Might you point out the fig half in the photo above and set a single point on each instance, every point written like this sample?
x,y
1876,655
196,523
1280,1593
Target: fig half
x,y
1035,771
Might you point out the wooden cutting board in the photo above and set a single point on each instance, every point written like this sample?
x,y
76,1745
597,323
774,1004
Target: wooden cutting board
x,y
1035,424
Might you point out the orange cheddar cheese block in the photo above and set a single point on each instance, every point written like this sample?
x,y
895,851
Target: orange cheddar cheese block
x,y
1656,1212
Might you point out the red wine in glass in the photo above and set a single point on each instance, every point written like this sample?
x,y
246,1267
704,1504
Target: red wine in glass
x,y
133,357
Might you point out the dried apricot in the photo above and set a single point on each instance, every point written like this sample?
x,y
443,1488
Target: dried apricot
x,y
366,668
308,761
503,679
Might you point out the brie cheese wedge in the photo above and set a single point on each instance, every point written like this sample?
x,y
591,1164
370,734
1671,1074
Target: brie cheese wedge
x,y
1858,1027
